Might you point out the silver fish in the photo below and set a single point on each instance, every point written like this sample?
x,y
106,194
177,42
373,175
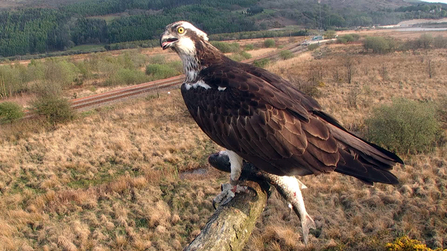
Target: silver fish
x,y
289,187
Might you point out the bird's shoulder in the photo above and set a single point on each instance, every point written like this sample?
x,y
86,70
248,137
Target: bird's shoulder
x,y
260,84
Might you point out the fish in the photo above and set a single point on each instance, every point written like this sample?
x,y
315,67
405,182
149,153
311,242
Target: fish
x,y
289,187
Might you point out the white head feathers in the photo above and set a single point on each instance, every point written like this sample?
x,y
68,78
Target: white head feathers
x,y
189,26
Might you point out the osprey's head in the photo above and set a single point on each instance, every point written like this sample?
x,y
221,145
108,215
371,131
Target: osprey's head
x,y
182,36
191,44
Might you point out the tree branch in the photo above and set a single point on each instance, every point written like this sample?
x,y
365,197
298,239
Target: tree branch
x,y
232,224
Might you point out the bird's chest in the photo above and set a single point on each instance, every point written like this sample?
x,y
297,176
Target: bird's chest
x,y
213,102
202,100
224,114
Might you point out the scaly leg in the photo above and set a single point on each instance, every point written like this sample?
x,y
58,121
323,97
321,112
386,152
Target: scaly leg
x,y
229,190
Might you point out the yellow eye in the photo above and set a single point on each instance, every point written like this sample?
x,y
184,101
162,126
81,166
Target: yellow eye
x,y
181,30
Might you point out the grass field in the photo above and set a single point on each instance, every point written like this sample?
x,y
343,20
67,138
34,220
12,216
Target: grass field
x,y
114,179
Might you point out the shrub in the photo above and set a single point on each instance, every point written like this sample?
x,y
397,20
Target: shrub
x,y
409,45
127,77
84,70
381,45
393,44
425,41
442,110
355,36
11,80
61,72
42,88
286,54
269,43
312,47
107,65
261,62
440,42
254,10
342,40
405,126
236,57
348,38
55,109
157,59
377,44
245,54
240,56
226,47
329,34
406,244
132,60
161,71
9,112
249,47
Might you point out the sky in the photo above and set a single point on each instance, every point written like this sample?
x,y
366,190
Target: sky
x,y
435,1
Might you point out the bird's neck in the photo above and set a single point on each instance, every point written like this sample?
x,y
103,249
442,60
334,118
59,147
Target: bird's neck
x,y
191,67
204,55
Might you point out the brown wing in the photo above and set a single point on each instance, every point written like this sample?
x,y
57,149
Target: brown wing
x,y
270,124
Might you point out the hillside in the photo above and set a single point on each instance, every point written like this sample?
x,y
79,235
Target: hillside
x,y
119,177
37,27
360,4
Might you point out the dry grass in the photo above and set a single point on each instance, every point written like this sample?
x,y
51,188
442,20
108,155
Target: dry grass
x,y
376,79
354,216
105,180
112,180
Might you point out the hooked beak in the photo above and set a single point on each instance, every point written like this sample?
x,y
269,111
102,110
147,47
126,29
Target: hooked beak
x,y
166,41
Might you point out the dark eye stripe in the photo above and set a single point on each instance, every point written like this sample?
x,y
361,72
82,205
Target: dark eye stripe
x,y
174,28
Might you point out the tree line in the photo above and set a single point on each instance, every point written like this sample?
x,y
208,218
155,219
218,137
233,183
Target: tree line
x,y
312,16
30,31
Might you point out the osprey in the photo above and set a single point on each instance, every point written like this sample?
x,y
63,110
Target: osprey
x,y
261,118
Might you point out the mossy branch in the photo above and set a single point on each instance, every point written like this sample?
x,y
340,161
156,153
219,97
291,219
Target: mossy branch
x,y
231,225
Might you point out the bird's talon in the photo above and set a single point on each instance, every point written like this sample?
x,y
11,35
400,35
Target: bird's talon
x,y
227,194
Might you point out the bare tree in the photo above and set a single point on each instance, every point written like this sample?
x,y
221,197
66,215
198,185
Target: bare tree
x,y
349,64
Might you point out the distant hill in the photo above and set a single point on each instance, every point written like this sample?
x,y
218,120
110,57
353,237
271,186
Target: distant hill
x,y
426,1
39,26
36,3
363,5
358,4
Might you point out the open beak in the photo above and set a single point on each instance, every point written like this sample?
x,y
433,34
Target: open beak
x,y
166,41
